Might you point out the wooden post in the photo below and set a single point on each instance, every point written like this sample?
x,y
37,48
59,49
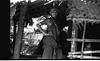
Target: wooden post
x,y
20,32
73,43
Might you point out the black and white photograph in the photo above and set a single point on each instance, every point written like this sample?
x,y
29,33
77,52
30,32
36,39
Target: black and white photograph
x,y
54,30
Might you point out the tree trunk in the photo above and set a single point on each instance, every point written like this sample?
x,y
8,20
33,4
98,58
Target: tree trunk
x,y
19,33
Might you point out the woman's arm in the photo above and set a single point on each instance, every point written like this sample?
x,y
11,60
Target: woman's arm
x,y
41,30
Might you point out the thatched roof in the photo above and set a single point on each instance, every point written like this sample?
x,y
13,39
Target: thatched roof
x,y
90,9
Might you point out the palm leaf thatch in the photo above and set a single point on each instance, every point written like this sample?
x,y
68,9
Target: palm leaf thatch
x,y
79,21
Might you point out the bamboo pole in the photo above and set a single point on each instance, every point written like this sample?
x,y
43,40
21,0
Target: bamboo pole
x,y
83,42
85,57
73,43
85,52
84,19
86,40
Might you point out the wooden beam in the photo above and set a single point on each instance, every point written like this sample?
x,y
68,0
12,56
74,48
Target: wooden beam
x,y
83,19
86,19
86,40
84,57
85,52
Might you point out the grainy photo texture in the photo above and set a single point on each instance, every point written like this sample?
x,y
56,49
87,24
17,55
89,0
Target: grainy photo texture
x,y
54,29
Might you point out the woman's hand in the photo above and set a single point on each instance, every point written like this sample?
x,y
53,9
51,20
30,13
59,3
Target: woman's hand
x,y
65,29
47,34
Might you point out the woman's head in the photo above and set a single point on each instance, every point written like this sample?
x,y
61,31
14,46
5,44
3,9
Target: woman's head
x,y
53,12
